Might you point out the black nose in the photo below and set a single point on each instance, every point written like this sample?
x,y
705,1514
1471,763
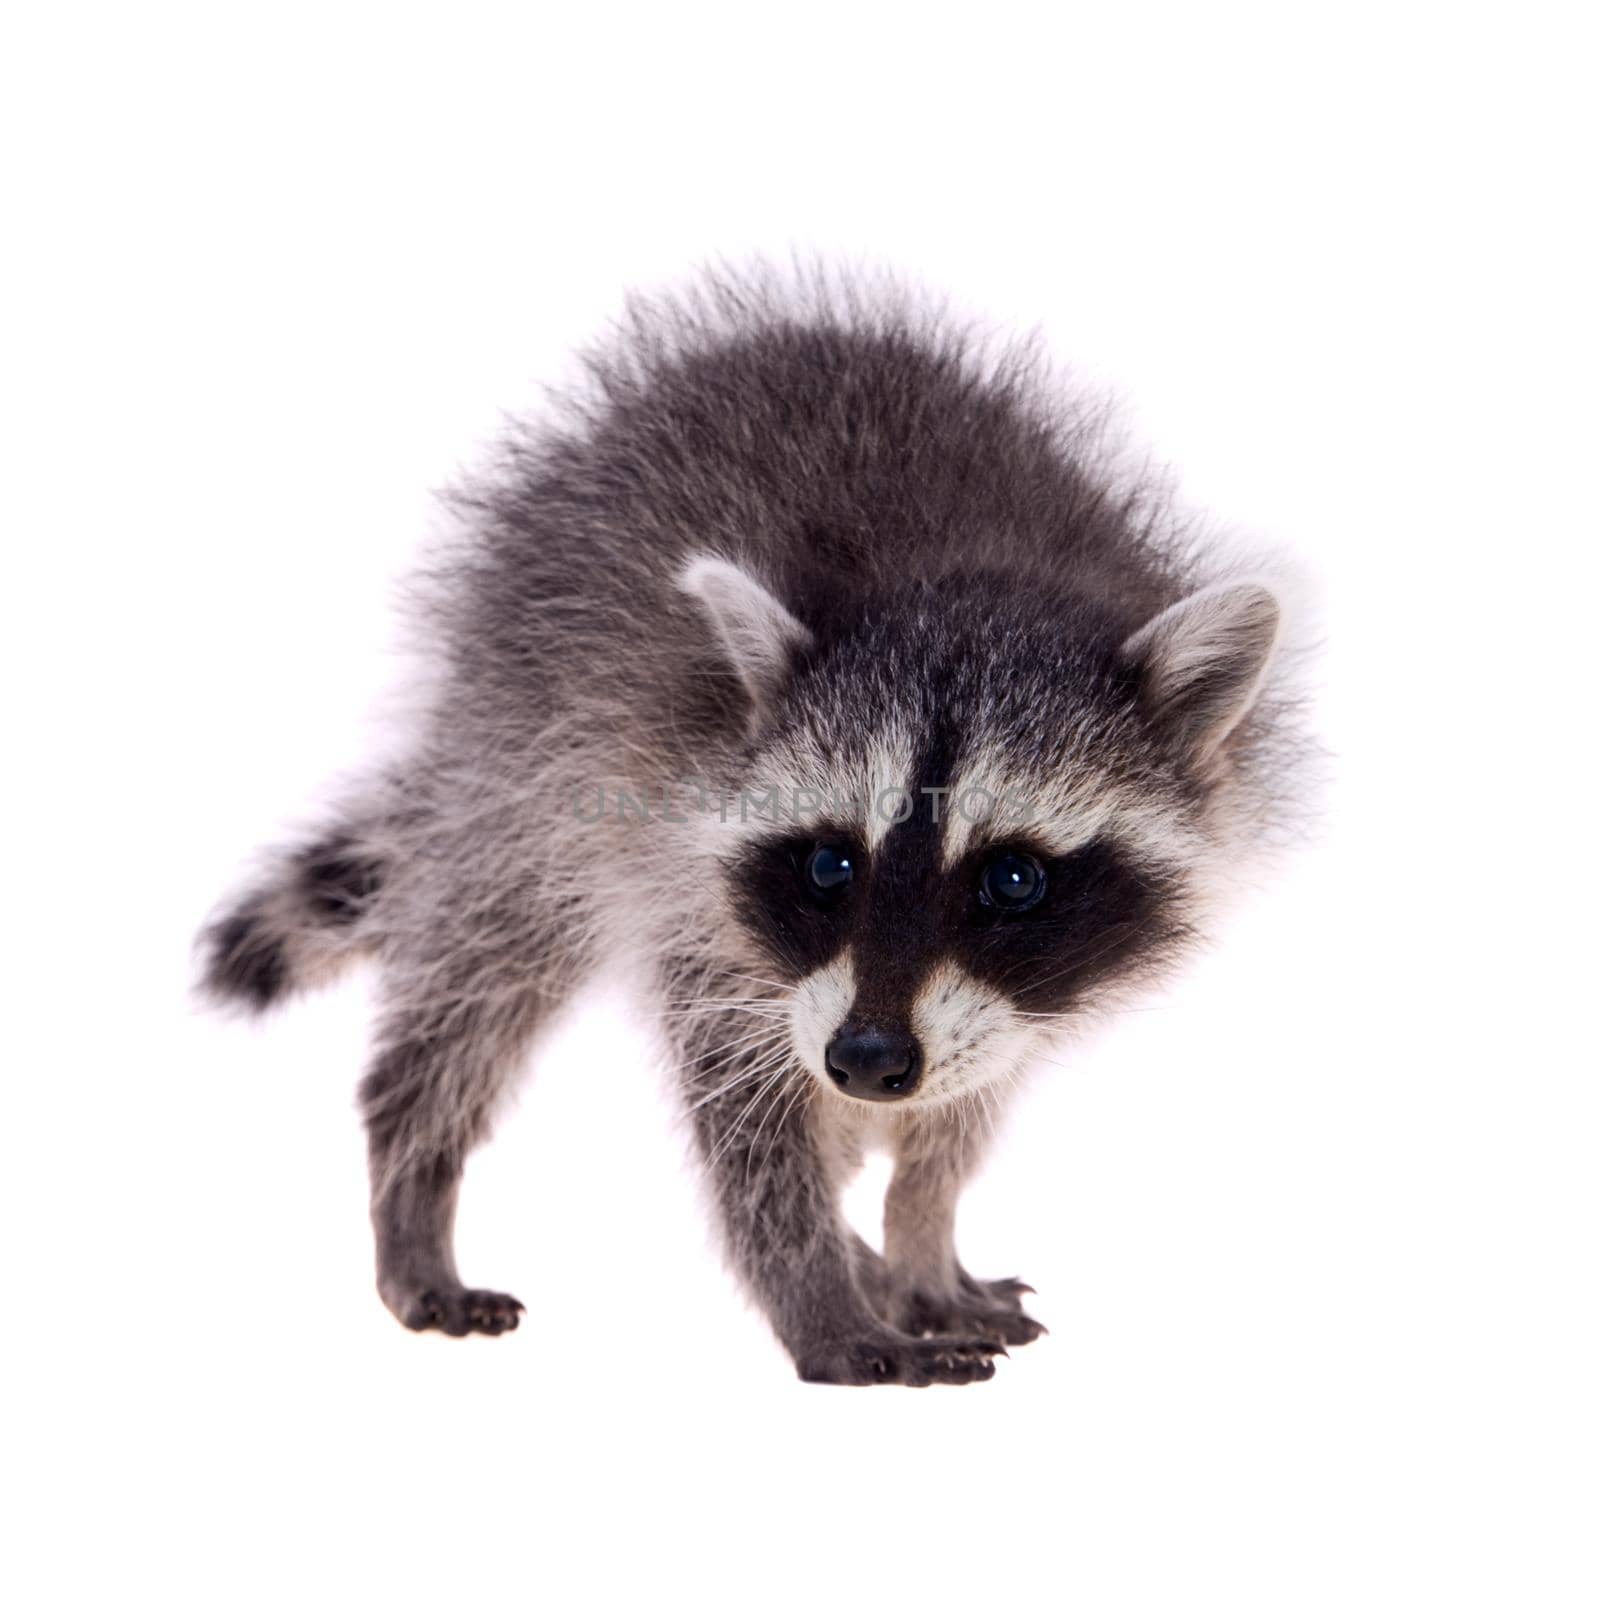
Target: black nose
x,y
872,1065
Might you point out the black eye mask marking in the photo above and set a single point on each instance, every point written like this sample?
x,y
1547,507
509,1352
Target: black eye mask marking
x,y
1043,929
1084,915
796,895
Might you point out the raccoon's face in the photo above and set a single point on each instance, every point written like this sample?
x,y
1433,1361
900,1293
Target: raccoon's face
x,y
967,817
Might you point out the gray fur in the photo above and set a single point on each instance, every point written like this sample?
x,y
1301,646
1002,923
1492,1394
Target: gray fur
x,y
807,535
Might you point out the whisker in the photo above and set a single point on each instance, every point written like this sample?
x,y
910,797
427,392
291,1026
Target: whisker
x,y
755,1138
754,1052
767,1086
712,1002
745,1044
733,1083
799,1094
747,977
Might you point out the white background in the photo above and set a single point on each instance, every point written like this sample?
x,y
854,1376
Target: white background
x,y
1315,1231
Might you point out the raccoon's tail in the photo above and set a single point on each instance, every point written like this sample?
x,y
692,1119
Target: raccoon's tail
x,y
299,926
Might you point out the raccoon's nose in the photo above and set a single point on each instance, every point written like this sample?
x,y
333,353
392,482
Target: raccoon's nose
x,y
872,1065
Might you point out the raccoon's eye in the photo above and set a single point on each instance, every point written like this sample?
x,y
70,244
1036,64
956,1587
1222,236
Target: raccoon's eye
x,y
1011,882
829,871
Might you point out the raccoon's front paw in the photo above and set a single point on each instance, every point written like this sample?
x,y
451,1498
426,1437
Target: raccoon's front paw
x,y
888,1357
991,1310
458,1311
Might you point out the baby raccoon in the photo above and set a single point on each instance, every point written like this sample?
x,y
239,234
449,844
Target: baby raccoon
x,y
812,662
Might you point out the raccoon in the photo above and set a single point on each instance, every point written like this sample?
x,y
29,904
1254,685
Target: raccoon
x,y
812,659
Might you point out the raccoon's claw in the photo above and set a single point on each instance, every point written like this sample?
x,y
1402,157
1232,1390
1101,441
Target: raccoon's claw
x,y
1007,1289
890,1358
992,1310
459,1312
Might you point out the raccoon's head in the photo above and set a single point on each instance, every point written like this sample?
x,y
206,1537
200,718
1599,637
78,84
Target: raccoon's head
x,y
971,810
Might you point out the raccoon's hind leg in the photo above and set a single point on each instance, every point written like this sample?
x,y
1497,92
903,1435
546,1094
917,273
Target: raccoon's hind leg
x,y
453,1034
926,1289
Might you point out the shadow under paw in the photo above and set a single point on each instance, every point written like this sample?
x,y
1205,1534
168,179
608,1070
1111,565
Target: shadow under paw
x,y
458,1311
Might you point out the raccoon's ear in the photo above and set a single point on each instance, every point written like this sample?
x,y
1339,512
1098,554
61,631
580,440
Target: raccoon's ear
x,y
758,635
1202,660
